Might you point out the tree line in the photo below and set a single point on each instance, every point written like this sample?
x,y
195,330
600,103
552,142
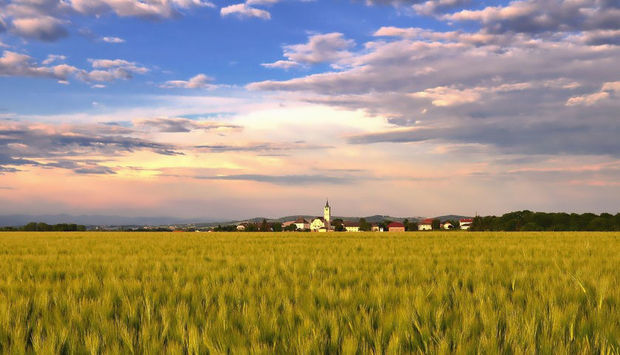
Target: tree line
x,y
44,227
541,221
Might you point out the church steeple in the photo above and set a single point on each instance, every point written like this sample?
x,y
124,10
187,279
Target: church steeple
x,y
327,213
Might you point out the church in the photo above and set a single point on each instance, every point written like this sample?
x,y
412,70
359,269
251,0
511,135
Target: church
x,y
323,224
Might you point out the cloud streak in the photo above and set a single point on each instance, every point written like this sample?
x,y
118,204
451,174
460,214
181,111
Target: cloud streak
x,y
244,10
199,81
70,147
282,179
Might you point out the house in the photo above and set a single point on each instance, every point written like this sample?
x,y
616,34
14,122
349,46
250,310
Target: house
x,y
302,224
396,227
425,224
241,227
351,226
465,223
376,228
287,223
447,225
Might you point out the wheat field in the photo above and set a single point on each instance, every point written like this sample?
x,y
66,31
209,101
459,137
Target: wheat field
x,y
300,293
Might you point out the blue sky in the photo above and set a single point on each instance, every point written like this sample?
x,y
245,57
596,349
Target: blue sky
x,y
180,104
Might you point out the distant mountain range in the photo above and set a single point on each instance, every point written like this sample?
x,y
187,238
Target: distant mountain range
x,y
102,220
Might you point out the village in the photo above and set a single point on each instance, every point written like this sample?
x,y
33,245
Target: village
x,y
329,224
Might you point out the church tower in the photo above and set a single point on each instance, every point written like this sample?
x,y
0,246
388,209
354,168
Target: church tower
x,y
327,214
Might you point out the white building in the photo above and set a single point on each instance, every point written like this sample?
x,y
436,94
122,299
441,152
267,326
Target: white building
x,y
425,225
302,224
351,226
317,224
447,225
465,223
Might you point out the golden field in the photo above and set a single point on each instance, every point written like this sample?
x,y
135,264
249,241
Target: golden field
x,y
388,293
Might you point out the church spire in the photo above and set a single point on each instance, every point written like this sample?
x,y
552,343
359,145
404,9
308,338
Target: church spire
x,y
327,214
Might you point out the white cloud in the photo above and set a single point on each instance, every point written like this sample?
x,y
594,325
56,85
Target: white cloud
x,y
51,58
533,16
320,48
199,81
44,28
104,70
159,9
46,20
608,90
262,2
16,64
245,11
447,96
113,40
282,64
451,96
477,38
433,7
118,63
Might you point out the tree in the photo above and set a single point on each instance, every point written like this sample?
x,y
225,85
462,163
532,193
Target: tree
x,y
338,225
264,226
276,227
436,224
365,226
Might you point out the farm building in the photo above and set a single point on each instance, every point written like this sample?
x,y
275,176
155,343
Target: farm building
x,y
302,224
396,227
425,225
465,223
376,228
287,223
351,226
447,225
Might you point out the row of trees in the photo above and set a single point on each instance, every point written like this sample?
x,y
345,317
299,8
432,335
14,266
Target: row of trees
x,y
540,221
264,226
44,227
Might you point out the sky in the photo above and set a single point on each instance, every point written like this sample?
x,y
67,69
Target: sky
x,y
230,109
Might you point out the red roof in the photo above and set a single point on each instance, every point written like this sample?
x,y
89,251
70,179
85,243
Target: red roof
x,y
350,224
395,224
466,220
427,221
